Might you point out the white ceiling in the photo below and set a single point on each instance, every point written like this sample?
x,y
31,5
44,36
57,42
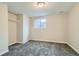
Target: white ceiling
x,y
31,10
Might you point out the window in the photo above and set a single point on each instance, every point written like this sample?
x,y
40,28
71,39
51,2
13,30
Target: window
x,y
40,23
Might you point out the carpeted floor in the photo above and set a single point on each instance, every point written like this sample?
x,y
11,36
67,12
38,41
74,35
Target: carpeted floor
x,y
38,48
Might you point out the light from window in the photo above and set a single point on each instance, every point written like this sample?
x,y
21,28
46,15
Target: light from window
x,y
40,23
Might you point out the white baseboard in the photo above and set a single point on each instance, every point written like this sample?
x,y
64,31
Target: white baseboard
x,y
4,52
49,41
20,42
12,43
25,42
73,48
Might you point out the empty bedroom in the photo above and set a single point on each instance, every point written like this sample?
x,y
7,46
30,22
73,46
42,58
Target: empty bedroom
x,y
39,28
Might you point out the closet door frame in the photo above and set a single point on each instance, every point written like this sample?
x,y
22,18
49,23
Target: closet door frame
x,y
12,29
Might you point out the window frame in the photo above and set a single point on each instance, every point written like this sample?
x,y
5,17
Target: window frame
x,y
40,26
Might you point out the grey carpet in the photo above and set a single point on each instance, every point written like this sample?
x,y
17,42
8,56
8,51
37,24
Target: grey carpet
x,y
38,48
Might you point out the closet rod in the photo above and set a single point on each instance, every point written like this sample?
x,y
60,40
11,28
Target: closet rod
x,y
12,20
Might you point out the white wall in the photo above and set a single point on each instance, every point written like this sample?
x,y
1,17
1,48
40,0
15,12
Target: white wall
x,y
3,28
73,28
54,32
25,28
19,28
12,28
